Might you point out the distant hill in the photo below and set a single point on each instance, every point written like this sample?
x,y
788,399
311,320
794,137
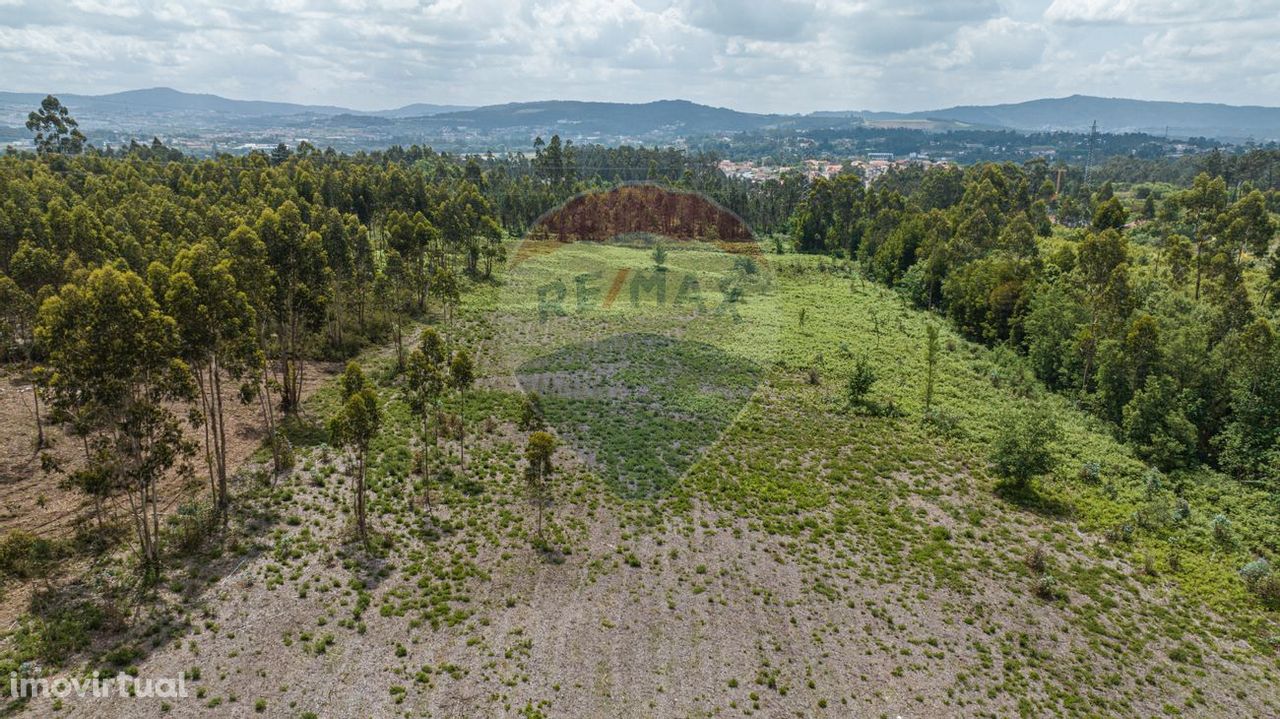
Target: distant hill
x,y
1114,115
195,120
418,109
681,116
169,102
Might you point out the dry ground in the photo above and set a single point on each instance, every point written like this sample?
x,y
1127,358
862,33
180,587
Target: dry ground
x,y
699,612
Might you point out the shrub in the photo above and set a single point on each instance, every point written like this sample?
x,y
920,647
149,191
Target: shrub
x,y
1023,448
1255,571
1091,472
860,382
1221,528
1153,482
531,413
285,448
188,528
1048,587
1268,590
946,423
1037,561
61,628
24,555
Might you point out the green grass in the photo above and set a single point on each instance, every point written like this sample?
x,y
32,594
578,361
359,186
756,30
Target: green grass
x,y
700,425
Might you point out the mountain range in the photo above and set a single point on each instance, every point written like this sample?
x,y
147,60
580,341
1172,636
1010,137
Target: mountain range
x,y
164,100
1077,113
188,117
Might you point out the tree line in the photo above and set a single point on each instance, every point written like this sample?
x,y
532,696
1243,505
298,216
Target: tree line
x,y
138,292
1158,316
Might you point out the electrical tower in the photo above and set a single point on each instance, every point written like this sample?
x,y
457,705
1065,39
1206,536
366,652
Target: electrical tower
x,y
1088,157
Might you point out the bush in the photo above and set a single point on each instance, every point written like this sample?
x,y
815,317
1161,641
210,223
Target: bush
x,y
1255,572
1091,472
188,528
60,629
860,382
946,423
24,555
1221,528
1037,561
1153,482
1023,449
1262,581
1048,587
532,416
1268,590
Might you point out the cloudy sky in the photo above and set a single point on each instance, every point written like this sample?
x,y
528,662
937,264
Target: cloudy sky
x,y
762,55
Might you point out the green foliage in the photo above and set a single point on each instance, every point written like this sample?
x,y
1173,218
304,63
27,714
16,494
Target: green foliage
x,y
1109,322
861,379
1023,449
57,132
660,255
114,364
1156,426
1110,215
355,427
24,556
532,415
538,469
352,381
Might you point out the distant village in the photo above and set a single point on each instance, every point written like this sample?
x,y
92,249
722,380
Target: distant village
x,y
870,167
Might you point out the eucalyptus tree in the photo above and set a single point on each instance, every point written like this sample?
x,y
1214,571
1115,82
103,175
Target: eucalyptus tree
x,y
1202,205
57,132
17,338
462,374
247,261
355,426
426,379
218,334
113,362
538,453
301,284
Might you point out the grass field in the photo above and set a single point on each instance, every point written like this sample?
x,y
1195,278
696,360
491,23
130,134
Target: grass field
x,y
729,536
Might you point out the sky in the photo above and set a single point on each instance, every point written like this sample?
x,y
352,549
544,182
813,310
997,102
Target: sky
x,y
762,56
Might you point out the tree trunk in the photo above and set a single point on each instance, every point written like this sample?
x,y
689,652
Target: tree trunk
x,y
541,502
399,345
360,509
207,413
220,440
426,465
462,431
1199,252
268,418
35,395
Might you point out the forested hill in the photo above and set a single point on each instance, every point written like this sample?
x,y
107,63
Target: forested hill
x,y
1116,115
614,117
204,120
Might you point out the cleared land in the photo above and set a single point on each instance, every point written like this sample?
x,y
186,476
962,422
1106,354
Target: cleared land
x,y
810,559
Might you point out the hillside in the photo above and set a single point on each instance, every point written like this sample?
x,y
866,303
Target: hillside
x,y
134,105
615,117
202,121
1116,115
816,560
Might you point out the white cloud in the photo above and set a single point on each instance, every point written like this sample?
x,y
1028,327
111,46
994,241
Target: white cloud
x,y
786,56
778,20
999,44
1157,12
